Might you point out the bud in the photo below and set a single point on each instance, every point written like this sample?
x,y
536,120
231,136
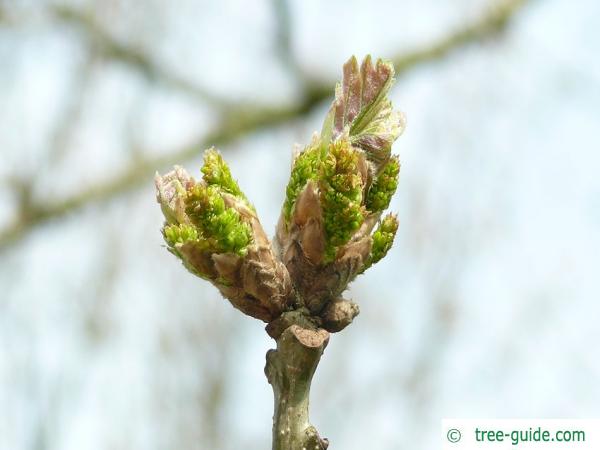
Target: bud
x,y
170,194
339,186
338,314
213,229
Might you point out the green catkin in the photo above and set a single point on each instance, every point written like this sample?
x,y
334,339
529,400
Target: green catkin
x,y
179,234
306,167
384,186
341,195
216,172
383,238
223,227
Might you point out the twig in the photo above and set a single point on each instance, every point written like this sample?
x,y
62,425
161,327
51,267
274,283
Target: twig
x,y
283,38
494,21
136,58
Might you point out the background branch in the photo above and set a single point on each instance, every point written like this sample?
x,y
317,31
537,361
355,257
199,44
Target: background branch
x,y
283,39
134,57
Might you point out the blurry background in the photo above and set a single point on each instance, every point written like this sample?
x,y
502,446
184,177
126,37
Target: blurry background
x,y
487,306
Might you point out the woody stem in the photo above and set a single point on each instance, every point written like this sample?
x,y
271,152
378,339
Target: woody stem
x,y
290,369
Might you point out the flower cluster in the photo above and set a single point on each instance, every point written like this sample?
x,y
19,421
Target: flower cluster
x,y
339,186
213,229
330,229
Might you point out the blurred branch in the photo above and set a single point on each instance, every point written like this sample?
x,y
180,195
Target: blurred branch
x,y
494,21
69,117
134,57
283,38
243,120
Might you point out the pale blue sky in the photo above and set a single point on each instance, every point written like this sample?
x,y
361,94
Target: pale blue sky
x,y
486,306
